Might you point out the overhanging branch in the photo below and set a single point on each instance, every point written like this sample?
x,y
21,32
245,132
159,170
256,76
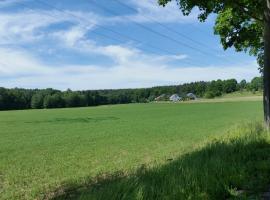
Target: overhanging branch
x,y
246,11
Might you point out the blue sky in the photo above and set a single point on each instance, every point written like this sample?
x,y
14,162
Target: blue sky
x,y
101,44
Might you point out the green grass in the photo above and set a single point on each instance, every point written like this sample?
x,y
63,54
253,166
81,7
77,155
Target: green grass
x,y
233,167
44,150
242,94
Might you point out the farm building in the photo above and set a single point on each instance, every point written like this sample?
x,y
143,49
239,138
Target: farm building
x,y
191,96
161,98
175,97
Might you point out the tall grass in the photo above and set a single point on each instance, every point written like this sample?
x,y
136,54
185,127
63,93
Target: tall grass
x,y
236,166
42,149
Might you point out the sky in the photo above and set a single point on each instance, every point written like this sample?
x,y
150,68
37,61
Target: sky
x,y
109,44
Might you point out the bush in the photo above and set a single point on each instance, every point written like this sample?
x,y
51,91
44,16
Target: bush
x,y
209,95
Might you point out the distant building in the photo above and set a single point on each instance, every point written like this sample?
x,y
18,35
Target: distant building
x,y
191,96
161,98
175,97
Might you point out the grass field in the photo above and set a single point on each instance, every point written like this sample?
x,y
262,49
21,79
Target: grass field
x,y
44,150
236,96
243,94
234,166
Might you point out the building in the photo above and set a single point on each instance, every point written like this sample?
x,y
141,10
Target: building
x,y
191,96
161,98
175,97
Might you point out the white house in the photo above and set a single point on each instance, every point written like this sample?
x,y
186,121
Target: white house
x,y
175,97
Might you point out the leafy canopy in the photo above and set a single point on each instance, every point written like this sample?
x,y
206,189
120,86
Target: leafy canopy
x,y
239,23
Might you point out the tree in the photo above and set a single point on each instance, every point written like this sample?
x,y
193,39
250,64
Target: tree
x,y
229,86
242,24
3,97
243,84
16,98
256,84
74,99
214,89
37,101
53,101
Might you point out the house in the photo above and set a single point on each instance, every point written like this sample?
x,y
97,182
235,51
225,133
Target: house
x,y
161,98
175,97
191,96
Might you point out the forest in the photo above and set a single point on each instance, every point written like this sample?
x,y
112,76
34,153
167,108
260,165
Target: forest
x,y
17,98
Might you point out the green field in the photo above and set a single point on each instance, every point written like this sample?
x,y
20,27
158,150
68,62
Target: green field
x,y
243,94
42,150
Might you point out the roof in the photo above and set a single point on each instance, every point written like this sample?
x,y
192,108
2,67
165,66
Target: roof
x,y
191,95
160,97
175,97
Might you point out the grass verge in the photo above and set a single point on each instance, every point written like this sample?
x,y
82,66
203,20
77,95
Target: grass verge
x,y
236,166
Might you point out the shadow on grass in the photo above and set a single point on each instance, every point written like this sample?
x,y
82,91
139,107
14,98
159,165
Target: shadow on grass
x,y
75,120
237,167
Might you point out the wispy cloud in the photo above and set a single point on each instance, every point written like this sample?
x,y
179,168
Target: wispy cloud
x,y
130,66
75,39
150,12
27,71
14,28
94,77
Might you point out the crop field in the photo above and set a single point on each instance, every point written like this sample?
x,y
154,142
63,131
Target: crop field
x,y
43,150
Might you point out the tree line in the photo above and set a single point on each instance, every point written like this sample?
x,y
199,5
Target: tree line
x,y
12,99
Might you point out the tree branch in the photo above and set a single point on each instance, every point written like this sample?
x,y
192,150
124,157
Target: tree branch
x,y
245,10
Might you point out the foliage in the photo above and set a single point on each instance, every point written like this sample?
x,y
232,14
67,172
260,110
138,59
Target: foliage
x,y
74,99
37,101
11,99
239,23
41,150
243,84
53,101
256,84
215,88
210,95
230,86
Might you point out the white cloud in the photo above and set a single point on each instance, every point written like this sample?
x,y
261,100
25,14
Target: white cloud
x,y
75,39
131,67
71,36
15,29
172,57
94,77
149,11
15,63
27,71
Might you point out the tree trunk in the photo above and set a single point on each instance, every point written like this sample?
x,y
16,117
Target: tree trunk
x,y
266,71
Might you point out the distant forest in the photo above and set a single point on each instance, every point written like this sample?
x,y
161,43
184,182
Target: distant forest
x,y
12,99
